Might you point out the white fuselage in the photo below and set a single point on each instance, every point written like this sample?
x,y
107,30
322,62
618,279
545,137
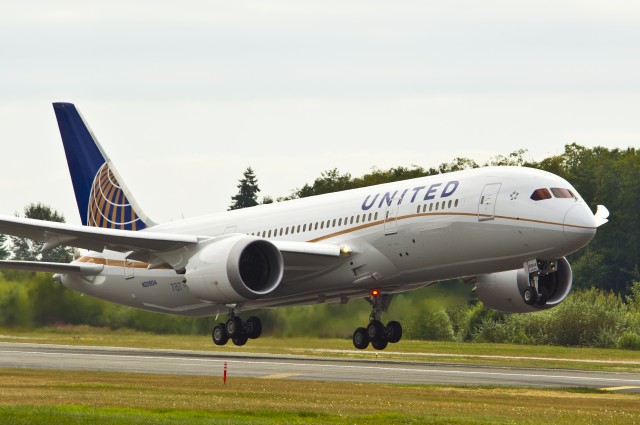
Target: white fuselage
x,y
401,236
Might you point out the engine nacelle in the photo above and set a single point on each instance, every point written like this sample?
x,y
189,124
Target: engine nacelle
x,y
503,291
234,269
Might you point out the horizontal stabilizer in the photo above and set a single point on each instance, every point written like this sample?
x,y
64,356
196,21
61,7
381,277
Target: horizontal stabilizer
x,y
62,268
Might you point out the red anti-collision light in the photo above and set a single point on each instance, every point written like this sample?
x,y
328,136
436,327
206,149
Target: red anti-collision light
x,y
375,292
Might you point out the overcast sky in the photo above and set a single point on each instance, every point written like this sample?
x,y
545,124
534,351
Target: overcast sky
x,y
183,96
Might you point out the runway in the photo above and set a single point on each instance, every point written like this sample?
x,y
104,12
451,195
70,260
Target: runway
x,y
62,357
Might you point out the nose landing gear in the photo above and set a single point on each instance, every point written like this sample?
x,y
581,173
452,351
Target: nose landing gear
x,y
538,293
376,334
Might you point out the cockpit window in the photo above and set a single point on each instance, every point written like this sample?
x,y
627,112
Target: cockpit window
x,y
559,192
540,194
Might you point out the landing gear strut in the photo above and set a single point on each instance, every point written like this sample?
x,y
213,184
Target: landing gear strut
x,y
237,330
376,333
535,293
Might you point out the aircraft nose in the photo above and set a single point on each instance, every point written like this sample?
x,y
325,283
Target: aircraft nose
x,y
579,225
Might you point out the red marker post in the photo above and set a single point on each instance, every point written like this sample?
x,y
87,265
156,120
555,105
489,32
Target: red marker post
x,y
224,374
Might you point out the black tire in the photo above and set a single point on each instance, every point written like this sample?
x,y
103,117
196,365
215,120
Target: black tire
x,y
393,331
375,330
234,327
219,334
253,327
529,296
240,340
380,344
360,339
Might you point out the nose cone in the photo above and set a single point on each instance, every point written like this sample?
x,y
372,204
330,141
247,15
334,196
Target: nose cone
x,y
579,226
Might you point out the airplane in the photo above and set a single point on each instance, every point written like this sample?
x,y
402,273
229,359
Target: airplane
x,y
505,229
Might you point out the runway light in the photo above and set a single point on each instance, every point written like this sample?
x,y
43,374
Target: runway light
x,y
375,293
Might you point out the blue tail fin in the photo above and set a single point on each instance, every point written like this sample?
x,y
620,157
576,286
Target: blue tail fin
x,y
102,199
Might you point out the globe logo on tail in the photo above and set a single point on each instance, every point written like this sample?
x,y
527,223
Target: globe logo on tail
x,y
108,205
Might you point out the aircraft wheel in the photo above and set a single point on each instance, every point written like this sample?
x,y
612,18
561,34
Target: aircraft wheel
x,y
394,331
234,327
380,344
253,327
529,296
219,334
240,340
360,339
375,330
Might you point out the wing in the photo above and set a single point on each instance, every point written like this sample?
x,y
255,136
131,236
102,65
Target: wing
x,y
94,238
302,258
62,268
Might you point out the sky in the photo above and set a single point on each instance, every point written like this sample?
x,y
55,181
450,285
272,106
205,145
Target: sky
x,y
184,96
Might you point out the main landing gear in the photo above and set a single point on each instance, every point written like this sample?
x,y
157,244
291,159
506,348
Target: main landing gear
x,y
376,333
237,330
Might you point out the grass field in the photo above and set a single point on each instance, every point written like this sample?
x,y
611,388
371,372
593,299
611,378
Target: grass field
x,y
73,397
54,397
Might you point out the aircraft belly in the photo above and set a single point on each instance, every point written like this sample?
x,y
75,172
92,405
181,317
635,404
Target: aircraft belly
x,y
153,290
493,242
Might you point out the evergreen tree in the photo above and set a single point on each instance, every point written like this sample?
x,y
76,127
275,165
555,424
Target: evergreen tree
x,y
247,191
4,251
30,250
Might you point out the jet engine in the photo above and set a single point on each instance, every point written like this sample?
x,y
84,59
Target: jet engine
x,y
234,269
507,291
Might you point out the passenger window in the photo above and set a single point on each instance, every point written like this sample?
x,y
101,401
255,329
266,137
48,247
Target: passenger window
x,y
357,219
316,226
430,207
370,216
540,194
449,205
351,222
436,206
269,233
456,204
561,193
298,229
340,222
375,216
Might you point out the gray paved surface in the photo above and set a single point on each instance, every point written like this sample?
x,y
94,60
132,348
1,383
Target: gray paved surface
x,y
36,356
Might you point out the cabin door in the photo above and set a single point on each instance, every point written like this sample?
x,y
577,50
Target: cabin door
x,y
391,220
487,205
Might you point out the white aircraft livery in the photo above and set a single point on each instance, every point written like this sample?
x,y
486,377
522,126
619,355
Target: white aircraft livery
x,y
506,229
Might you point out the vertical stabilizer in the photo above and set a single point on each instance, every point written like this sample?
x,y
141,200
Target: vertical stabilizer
x,y
103,200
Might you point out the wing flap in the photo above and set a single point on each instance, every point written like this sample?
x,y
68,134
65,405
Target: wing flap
x,y
62,268
328,250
